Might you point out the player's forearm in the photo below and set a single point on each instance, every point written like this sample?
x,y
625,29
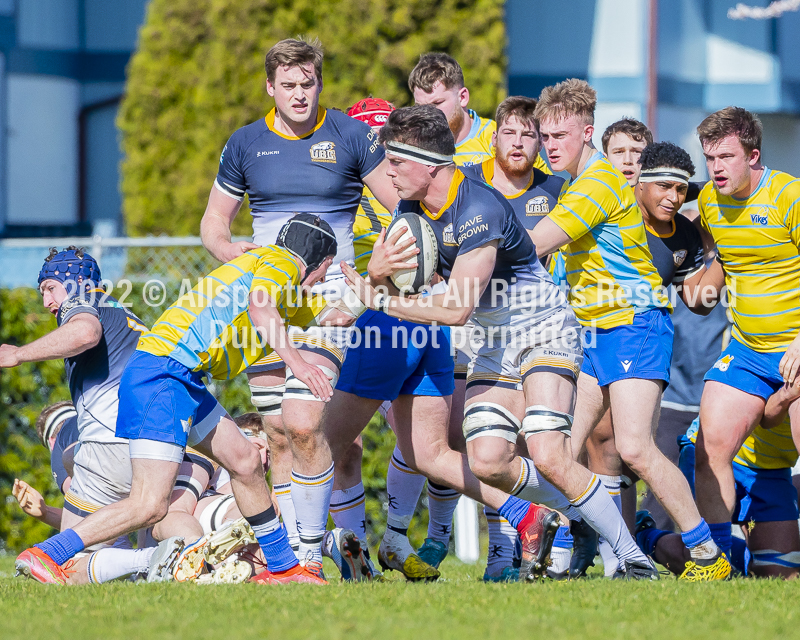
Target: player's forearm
x,y
778,407
68,340
428,310
51,517
702,293
215,232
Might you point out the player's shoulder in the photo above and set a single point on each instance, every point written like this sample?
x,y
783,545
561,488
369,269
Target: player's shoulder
x,y
275,258
344,124
86,301
547,182
473,172
685,226
784,188
475,196
246,135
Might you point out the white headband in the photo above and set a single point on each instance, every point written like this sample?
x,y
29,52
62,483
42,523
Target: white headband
x,y
423,156
666,174
57,417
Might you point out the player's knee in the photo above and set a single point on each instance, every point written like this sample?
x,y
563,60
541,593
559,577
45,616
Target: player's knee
x,y
246,463
487,468
152,510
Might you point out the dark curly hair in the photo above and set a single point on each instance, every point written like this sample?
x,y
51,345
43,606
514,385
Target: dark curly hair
x,y
666,154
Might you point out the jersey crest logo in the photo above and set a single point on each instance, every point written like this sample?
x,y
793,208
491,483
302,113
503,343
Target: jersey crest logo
x,y
538,206
760,217
448,237
679,257
723,363
323,152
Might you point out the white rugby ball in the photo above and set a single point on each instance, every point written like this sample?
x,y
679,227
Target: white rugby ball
x,y
414,280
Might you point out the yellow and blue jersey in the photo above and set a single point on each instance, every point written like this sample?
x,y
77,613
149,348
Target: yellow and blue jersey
x,y
371,217
608,265
764,448
758,239
209,328
477,147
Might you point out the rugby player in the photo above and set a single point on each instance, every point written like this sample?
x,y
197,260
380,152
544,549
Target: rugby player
x,y
299,158
615,292
538,344
531,193
438,80
766,500
753,214
232,318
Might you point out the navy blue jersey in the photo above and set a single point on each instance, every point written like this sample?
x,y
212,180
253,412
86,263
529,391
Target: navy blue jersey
x,y
679,255
474,215
532,203
66,438
322,172
94,375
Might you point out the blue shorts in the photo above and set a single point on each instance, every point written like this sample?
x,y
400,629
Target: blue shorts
x,y
642,349
762,495
161,400
750,371
389,358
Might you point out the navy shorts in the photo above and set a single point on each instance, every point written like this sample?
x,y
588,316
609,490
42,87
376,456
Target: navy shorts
x,y
388,358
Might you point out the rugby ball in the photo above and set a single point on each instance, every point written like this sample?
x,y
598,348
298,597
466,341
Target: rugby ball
x,y
414,225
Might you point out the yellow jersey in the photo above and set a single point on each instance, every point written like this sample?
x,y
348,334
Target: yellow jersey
x,y
371,217
209,328
477,146
758,238
764,448
607,263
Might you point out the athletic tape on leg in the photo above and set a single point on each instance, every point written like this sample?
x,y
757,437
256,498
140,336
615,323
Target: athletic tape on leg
x,y
484,419
298,390
267,400
541,419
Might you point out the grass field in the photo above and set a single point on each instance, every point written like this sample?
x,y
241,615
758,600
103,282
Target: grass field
x,y
457,607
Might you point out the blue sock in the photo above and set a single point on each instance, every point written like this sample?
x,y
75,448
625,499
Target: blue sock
x,y
563,538
740,555
721,533
272,539
647,539
514,510
699,535
62,546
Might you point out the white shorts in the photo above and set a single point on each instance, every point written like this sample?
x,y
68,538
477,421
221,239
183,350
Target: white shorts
x,y
330,342
102,476
512,342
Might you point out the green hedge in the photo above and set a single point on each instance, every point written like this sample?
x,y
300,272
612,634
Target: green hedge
x,y
26,389
198,75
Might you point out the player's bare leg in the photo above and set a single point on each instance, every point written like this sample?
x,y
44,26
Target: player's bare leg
x,y
727,417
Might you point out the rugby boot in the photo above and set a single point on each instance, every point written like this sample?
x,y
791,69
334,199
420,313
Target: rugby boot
x,y
344,548
399,556
637,570
231,571
227,540
716,568
296,574
584,548
508,574
35,564
432,552
537,532
162,562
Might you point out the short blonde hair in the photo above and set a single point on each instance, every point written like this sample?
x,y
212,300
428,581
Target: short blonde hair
x,y
294,52
571,97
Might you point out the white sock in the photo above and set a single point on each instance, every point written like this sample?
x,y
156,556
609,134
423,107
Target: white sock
x,y
502,539
610,560
349,511
283,492
598,509
534,487
404,487
442,502
560,558
311,496
111,564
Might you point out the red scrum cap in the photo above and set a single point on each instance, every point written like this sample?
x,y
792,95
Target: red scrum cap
x,y
373,111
